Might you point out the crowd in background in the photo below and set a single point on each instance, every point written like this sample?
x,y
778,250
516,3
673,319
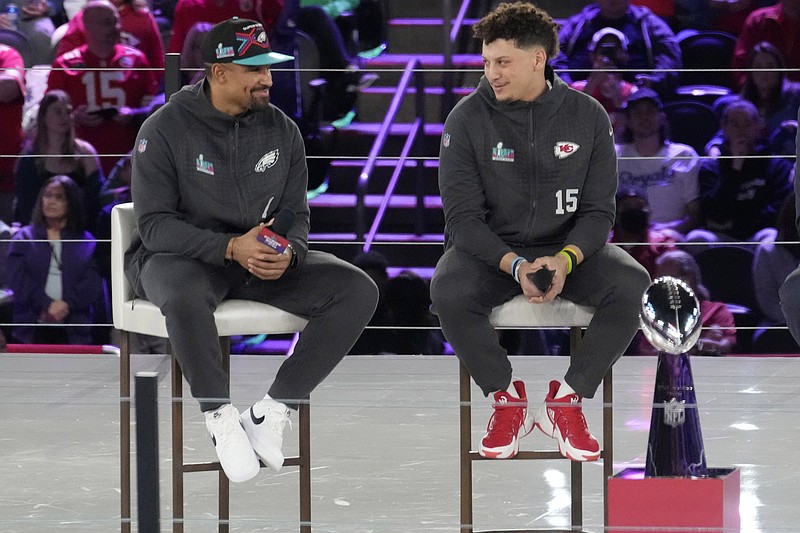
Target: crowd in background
x,y
74,128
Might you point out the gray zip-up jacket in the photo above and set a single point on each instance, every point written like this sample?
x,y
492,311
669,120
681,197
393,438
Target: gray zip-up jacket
x,y
525,174
201,177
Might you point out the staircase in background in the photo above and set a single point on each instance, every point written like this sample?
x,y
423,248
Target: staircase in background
x,y
415,30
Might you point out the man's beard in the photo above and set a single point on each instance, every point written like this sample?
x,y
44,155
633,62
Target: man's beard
x,y
259,103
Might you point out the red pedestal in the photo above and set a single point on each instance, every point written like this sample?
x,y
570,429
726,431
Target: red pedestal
x,y
673,504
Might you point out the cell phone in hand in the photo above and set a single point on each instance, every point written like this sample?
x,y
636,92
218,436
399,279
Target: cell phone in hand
x,y
542,279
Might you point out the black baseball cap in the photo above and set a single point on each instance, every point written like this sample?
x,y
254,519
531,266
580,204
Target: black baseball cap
x,y
240,41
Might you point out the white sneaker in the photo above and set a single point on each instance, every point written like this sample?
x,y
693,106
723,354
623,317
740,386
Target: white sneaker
x,y
264,423
234,451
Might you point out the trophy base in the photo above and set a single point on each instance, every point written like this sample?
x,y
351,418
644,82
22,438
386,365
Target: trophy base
x,y
710,503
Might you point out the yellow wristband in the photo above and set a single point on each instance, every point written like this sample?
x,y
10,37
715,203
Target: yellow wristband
x,y
571,259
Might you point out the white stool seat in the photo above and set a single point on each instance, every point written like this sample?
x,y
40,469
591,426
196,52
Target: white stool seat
x,y
233,317
135,315
559,313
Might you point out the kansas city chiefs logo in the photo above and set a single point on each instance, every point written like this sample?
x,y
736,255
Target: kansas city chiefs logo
x,y
564,149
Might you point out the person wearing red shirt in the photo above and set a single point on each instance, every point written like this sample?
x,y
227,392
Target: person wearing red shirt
x,y
106,83
139,30
12,97
718,336
779,25
608,52
190,12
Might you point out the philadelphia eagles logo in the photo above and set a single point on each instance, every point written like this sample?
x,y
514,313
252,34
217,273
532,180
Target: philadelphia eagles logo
x,y
267,161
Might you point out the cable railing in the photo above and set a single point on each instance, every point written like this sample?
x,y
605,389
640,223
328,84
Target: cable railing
x,y
413,71
413,157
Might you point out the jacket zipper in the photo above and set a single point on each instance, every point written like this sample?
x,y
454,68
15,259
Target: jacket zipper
x,y
235,174
535,170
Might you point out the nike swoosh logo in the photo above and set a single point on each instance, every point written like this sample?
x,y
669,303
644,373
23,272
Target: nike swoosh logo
x,y
255,420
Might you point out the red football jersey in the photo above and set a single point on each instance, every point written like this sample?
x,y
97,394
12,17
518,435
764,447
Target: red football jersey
x,y
83,76
139,30
11,66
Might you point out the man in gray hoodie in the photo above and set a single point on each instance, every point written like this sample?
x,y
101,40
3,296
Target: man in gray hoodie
x,y
210,168
528,175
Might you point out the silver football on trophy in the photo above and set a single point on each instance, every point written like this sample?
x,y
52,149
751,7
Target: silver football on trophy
x,y
670,315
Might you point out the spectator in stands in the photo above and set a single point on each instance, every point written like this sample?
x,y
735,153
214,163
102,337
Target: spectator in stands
x,y
729,15
779,25
54,282
34,23
790,290
164,11
104,78
651,43
608,52
679,14
138,30
774,261
410,303
117,188
6,232
12,98
52,149
718,336
635,234
776,98
669,178
340,69
189,12
740,196
192,54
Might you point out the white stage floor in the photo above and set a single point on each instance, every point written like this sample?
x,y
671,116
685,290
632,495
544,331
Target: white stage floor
x,y
384,446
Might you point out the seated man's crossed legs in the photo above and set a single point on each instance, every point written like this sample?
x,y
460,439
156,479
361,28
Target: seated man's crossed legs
x,y
464,291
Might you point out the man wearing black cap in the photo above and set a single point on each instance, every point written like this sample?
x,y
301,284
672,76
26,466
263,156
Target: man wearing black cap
x,y
209,168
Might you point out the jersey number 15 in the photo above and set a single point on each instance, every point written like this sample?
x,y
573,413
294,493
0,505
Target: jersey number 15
x,y
566,201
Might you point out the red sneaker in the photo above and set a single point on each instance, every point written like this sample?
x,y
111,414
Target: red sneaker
x,y
510,422
563,419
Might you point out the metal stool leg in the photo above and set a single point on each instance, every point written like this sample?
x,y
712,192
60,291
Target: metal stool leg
x,y
608,438
305,467
465,444
177,447
224,499
125,432
576,467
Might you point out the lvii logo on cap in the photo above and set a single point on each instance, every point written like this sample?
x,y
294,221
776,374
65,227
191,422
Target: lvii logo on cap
x,y
224,51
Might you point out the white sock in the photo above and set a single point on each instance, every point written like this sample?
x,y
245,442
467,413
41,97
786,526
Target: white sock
x,y
564,390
